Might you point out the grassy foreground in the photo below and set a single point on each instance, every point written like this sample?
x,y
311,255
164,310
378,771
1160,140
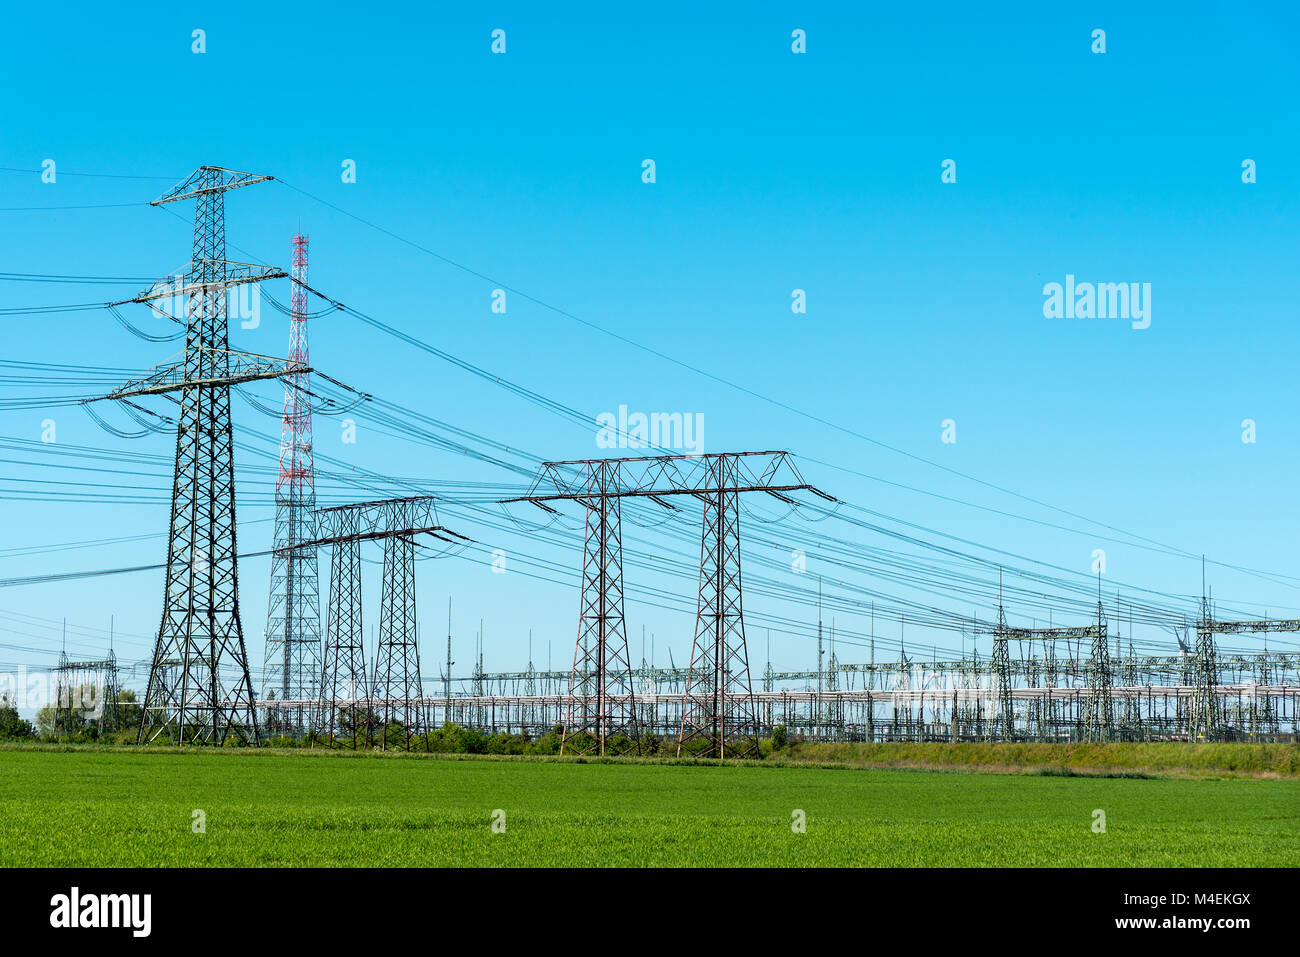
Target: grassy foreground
x,y
136,808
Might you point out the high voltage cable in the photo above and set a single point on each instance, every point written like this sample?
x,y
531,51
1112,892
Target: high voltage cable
x,y
18,169
53,209
716,378
585,420
545,402
48,310
983,585
76,280
578,417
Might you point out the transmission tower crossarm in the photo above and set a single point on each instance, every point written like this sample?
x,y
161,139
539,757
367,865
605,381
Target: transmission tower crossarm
x,y
1253,626
386,518
437,531
1047,634
654,477
207,180
174,376
215,274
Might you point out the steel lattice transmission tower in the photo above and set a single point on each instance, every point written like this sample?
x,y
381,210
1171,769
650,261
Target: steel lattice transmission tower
x,y
397,659
1206,715
1099,712
1207,719
602,706
1004,724
86,691
293,653
718,714
601,713
199,688
343,674
397,695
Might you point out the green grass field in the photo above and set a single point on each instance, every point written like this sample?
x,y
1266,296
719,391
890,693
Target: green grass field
x,y
132,808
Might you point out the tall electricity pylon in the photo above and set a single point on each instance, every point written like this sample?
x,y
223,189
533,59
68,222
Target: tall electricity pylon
x,y
343,674
396,696
293,653
199,688
718,712
397,657
601,663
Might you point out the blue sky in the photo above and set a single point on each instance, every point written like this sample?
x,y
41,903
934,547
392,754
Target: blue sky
x,y
774,171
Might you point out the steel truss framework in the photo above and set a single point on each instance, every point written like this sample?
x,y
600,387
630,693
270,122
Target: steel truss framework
x,y
1002,674
1207,717
403,716
918,713
1099,712
1001,724
87,691
293,652
343,672
397,660
1257,696
602,711
199,689
718,715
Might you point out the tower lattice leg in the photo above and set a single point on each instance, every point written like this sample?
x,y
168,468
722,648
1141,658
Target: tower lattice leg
x,y
397,661
601,708
719,718
343,676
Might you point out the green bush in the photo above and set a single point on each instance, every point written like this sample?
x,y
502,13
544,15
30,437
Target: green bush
x,y
12,727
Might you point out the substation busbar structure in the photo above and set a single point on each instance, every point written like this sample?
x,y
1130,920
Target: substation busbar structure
x,y
1201,694
87,691
1098,712
718,716
349,706
1207,720
199,688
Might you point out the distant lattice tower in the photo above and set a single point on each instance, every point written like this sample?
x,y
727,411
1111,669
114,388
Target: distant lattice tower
x,y
1205,717
1004,726
1132,721
293,634
397,657
1099,713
